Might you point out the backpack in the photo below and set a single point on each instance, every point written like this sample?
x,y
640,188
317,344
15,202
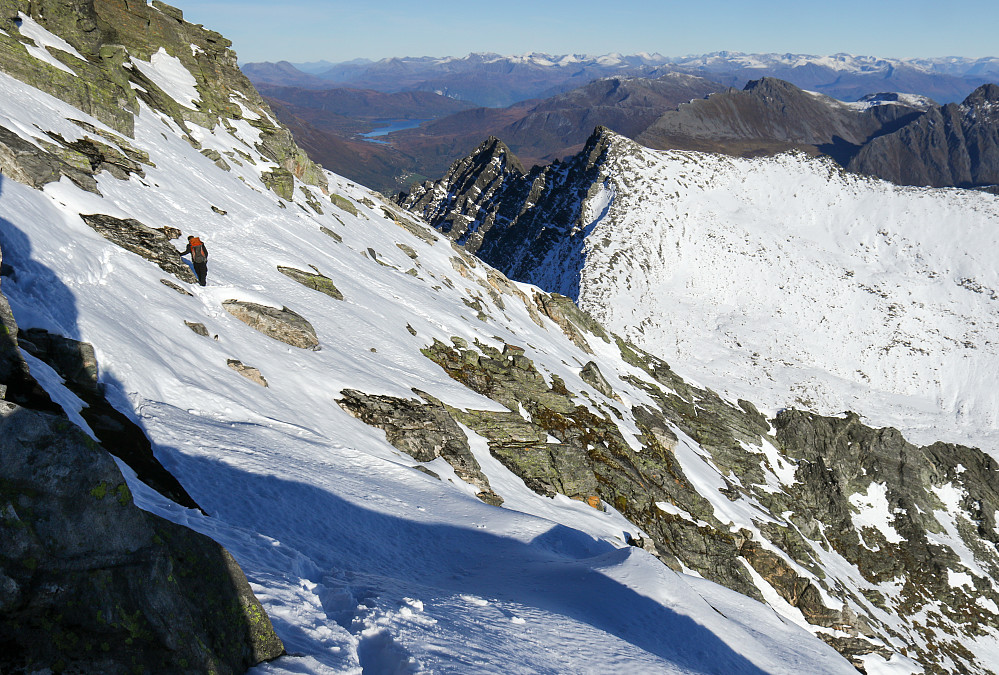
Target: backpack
x,y
198,252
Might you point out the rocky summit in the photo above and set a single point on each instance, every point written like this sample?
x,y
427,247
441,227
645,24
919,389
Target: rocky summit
x,y
363,448
770,116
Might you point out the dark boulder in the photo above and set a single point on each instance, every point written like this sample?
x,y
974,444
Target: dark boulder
x,y
91,583
144,241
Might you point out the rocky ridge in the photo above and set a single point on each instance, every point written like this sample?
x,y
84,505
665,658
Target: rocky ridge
x,y
524,223
953,145
99,69
769,116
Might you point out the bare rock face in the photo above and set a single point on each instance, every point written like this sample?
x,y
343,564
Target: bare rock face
x,y
954,145
280,324
142,240
90,583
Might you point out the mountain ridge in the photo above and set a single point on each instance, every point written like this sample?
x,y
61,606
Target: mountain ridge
x,y
421,464
843,76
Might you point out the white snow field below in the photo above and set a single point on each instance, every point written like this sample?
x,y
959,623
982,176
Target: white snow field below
x,y
364,564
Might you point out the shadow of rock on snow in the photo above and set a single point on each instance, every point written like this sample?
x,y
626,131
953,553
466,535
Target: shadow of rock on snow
x,y
365,559
88,581
75,362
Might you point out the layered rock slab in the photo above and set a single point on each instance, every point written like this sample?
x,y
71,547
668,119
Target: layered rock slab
x,y
280,324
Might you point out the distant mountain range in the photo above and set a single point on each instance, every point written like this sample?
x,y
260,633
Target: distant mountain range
x,y
544,107
494,80
328,123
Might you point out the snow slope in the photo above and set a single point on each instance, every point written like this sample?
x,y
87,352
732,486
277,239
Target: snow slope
x,y
791,283
364,564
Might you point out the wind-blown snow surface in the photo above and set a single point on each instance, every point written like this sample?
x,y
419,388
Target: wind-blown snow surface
x,y
790,283
363,563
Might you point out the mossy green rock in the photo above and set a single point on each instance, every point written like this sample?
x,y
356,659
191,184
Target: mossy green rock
x,y
313,280
109,35
343,203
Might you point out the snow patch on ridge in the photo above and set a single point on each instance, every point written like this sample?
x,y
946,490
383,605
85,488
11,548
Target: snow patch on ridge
x,y
873,510
787,282
169,74
43,39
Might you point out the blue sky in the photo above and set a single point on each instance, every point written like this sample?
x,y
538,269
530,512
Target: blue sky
x,y
312,30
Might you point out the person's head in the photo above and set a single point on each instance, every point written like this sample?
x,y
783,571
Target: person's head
x,y
190,237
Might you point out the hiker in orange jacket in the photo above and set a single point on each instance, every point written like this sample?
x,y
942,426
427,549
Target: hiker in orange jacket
x,y
199,257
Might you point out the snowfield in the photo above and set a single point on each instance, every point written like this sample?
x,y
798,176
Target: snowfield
x,y
364,564
790,283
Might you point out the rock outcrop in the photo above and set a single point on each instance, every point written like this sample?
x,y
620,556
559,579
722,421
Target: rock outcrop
x,y
425,431
77,365
280,324
28,164
144,241
529,225
88,581
101,77
313,280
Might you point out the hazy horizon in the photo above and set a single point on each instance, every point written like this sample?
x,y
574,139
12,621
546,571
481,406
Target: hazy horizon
x,y
303,31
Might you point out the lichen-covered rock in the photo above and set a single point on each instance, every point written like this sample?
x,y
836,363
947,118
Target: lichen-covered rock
x,y
280,324
591,375
104,83
142,240
26,163
281,181
90,583
558,446
330,233
343,203
89,153
425,431
76,364
313,280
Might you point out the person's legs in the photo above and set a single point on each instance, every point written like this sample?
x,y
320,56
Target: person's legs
x,y
201,269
